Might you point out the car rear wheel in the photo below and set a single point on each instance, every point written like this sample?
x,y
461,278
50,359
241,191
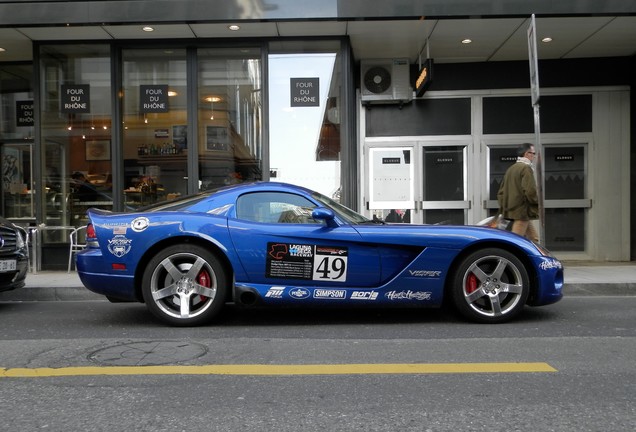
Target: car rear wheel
x,y
184,285
490,286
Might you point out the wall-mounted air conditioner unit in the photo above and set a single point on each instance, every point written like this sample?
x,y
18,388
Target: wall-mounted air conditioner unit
x,y
385,81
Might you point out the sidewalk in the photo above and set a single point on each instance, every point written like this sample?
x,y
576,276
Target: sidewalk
x,y
581,279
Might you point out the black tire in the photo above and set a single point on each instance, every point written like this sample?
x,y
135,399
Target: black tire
x,y
490,286
188,276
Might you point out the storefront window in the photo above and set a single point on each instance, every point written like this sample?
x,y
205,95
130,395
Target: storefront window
x,y
229,116
16,143
155,146
304,120
76,134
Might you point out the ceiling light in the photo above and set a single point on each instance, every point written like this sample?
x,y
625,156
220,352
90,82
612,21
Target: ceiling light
x,y
467,41
2,50
148,28
234,27
172,93
546,39
212,99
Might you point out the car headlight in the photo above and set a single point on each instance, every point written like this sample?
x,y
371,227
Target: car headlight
x,y
19,240
543,251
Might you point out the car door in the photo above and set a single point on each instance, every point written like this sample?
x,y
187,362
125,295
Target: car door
x,y
278,242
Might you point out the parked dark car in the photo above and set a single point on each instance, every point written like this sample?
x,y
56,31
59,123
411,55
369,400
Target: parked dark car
x,y
13,256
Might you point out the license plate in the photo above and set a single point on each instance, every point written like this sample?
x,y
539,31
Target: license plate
x,y
7,265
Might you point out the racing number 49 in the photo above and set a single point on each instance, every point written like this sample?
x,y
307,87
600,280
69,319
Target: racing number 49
x,y
333,268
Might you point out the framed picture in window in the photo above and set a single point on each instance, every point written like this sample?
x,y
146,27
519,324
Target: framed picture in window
x,y
216,138
97,150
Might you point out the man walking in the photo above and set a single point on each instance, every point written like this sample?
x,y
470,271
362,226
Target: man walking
x,y
517,196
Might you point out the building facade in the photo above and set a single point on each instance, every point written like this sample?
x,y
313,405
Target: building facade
x,y
120,104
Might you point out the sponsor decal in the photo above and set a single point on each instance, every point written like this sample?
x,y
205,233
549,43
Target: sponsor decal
x,y
425,273
364,295
550,264
275,292
302,251
408,295
120,230
299,293
119,245
307,262
139,224
329,294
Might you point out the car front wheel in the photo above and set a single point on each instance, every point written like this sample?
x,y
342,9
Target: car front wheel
x,y
184,285
490,286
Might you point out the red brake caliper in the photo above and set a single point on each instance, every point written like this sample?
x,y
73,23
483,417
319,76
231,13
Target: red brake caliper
x,y
471,283
203,279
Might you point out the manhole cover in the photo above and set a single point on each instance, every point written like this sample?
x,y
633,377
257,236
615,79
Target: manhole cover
x,y
151,353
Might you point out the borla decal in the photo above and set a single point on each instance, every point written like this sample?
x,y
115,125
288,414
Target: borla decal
x,y
119,245
308,262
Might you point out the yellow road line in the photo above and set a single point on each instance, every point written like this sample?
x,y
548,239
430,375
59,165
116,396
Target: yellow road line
x,y
262,369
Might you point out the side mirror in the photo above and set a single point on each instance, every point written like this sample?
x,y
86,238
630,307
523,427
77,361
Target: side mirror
x,y
323,213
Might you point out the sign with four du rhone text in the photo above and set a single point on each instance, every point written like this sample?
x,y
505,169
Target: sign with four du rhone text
x,y
75,98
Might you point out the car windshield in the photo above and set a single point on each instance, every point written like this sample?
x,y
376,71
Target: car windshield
x,y
343,212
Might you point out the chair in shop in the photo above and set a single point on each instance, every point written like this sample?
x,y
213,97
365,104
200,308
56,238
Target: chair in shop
x,y
77,239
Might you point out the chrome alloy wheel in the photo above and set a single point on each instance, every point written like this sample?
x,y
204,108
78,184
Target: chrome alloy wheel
x,y
184,285
490,286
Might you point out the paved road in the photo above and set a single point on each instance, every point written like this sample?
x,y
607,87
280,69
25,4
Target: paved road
x,y
588,344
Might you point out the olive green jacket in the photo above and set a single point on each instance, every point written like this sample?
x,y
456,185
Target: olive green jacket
x,y
517,194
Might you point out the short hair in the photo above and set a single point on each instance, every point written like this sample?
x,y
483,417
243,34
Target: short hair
x,y
524,148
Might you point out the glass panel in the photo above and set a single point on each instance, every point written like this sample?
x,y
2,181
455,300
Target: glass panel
x,y
444,174
230,116
445,216
16,101
499,160
17,184
565,229
155,144
304,111
76,132
565,172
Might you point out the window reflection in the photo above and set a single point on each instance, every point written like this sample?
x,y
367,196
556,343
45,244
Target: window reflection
x,y
229,116
155,145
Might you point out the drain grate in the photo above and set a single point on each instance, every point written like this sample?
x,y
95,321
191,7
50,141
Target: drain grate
x,y
150,353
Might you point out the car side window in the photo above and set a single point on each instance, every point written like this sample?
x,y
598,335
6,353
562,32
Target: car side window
x,y
275,207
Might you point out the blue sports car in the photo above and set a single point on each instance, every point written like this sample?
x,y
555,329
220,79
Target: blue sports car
x,y
277,244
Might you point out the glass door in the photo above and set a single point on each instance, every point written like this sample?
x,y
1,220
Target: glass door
x,y
411,182
566,199
444,198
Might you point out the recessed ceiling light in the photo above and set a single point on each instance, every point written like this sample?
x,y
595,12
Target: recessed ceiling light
x,y
212,99
546,39
234,27
467,41
148,28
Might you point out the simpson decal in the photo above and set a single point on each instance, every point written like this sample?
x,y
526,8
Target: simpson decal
x,y
307,262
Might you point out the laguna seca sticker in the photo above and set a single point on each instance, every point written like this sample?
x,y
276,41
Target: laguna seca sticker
x,y
306,261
